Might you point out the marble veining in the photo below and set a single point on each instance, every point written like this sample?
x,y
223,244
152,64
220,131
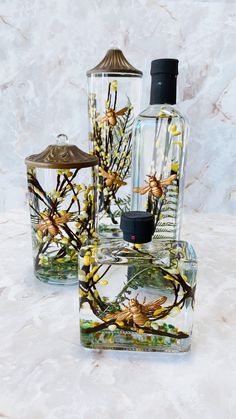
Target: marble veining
x,y
46,374
46,48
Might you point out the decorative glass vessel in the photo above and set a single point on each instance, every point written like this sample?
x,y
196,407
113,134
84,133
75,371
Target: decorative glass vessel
x,y
159,152
137,296
62,200
114,88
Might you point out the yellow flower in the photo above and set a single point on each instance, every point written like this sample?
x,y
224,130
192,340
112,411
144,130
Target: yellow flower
x,y
120,323
104,282
78,188
140,331
62,212
185,278
68,173
114,85
169,277
138,246
175,167
158,311
39,234
95,268
57,194
173,130
60,260
87,260
162,114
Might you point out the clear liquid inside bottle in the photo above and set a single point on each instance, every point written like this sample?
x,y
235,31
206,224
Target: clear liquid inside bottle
x,y
159,150
137,297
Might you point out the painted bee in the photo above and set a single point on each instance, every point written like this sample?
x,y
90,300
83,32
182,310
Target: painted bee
x,y
155,186
51,223
112,178
137,313
111,116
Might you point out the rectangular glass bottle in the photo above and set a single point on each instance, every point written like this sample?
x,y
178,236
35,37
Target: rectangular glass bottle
x,y
159,153
137,297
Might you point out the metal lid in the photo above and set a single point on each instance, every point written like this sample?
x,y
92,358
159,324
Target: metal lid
x,y
62,156
114,62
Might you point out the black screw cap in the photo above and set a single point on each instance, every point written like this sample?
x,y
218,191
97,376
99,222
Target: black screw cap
x,y
165,66
137,226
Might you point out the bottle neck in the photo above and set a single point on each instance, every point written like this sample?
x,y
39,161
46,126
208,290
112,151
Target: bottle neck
x,y
163,89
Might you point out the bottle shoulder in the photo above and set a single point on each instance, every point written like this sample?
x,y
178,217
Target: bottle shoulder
x,y
157,252
160,111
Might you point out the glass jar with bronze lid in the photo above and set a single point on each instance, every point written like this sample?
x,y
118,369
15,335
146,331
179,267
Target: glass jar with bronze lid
x,y
62,200
114,88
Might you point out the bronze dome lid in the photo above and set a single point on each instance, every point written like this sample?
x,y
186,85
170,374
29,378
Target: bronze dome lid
x,y
114,62
62,156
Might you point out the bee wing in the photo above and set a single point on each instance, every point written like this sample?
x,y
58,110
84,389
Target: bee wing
x,y
168,180
120,182
142,190
41,227
63,219
103,172
121,111
151,307
118,315
102,119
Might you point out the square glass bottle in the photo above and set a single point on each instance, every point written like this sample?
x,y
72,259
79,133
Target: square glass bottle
x,y
137,296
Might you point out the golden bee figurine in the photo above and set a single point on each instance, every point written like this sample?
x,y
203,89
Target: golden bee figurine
x,y
155,186
112,178
137,313
111,116
51,223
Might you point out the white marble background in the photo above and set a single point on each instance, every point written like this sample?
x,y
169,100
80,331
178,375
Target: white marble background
x,y
46,46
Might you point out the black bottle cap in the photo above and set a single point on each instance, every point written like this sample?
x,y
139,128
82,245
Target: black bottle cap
x,y
164,76
137,226
165,66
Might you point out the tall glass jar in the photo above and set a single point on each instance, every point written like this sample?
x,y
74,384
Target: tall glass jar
x,y
62,200
114,88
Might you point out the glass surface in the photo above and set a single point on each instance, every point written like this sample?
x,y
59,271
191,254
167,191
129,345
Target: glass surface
x,y
159,150
62,209
137,297
113,103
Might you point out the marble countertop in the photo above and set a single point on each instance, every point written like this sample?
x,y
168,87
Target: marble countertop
x,y
46,374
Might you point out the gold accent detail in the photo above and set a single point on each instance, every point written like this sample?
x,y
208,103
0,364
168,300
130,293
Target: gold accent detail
x,y
62,157
114,62
136,312
155,186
